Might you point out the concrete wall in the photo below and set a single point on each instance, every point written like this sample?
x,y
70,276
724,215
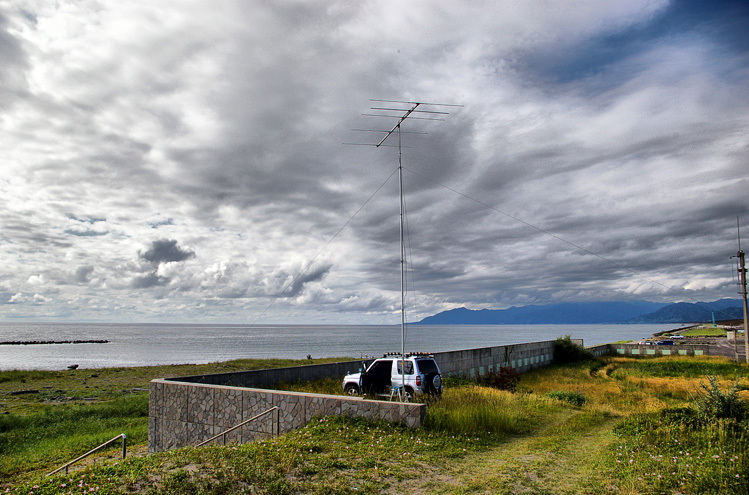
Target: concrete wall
x,y
471,362
466,363
271,377
188,410
662,350
600,350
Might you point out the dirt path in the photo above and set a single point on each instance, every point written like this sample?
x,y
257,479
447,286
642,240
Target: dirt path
x,y
555,459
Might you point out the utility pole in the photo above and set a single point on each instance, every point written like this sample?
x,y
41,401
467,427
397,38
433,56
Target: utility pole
x,y
742,279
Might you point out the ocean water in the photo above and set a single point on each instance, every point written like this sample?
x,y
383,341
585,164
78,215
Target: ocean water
x,y
153,344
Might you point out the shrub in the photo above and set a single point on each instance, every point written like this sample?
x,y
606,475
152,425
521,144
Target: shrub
x,y
574,398
504,379
711,403
566,351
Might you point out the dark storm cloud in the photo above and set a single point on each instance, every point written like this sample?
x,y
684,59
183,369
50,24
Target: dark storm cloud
x,y
299,282
165,251
599,148
85,233
13,65
149,281
83,274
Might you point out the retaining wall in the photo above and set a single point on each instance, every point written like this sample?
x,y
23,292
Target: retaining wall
x,y
663,350
188,410
600,350
182,414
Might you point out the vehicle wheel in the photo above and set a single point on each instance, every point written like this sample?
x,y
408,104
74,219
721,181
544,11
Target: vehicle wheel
x,y
351,390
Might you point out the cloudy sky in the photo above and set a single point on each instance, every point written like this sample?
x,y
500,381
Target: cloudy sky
x,y
179,161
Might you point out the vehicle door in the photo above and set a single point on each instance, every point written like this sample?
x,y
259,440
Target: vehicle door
x,y
399,378
377,378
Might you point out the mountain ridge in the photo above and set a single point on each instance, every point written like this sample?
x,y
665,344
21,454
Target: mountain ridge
x,y
604,312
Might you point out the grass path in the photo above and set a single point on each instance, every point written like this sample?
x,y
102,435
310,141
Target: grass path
x,y
558,458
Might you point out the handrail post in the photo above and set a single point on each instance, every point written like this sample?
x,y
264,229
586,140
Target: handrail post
x,y
277,417
273,410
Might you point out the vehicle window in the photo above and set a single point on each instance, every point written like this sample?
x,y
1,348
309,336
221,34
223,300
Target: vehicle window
x,y
426,366
409,367
380,368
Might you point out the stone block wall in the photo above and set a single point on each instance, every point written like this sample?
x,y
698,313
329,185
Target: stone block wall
x,y
182,414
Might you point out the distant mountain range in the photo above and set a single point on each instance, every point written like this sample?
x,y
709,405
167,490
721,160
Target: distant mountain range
x,y
592,313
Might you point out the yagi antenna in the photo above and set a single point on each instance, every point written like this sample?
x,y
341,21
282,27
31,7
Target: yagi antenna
x,y
414,110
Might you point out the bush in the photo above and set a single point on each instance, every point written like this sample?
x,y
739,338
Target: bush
x,y
574,398
504,379
566,351
711,403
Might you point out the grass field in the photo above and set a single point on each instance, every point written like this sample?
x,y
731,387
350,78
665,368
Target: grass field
x,y
612,425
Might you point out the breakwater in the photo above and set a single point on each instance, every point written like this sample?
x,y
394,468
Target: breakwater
x,y
47,342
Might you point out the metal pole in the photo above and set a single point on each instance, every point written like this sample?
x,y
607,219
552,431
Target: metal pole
x,y
403,266
742,271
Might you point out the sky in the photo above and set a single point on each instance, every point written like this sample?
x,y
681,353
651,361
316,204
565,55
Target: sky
x,y
186,161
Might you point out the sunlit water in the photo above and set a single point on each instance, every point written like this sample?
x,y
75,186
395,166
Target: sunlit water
x,y
143,345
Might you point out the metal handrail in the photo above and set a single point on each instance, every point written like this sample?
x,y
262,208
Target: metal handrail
x,y
273,409
124,453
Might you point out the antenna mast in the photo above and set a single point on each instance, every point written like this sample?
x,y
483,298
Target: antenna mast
x,y
401,114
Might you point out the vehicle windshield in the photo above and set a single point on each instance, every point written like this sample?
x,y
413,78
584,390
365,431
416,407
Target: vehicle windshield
x,y
426,366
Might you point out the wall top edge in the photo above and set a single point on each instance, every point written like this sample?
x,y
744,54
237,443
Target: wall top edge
x,y
173,381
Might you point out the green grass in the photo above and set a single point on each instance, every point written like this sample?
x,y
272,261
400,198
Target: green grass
x,y
703,332
74,386
672,451
474,440
574,398
683,367
55,435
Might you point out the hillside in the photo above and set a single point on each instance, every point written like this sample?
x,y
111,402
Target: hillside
x,y
725,309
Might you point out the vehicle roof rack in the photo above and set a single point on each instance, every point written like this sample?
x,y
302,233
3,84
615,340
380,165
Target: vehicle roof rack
x,y
408,354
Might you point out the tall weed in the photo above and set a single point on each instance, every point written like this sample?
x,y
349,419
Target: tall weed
x,y
475,410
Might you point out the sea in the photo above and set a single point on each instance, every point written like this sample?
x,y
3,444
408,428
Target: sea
x,y
163,344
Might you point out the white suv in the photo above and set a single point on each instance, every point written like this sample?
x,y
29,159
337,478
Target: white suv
x,y
385,378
